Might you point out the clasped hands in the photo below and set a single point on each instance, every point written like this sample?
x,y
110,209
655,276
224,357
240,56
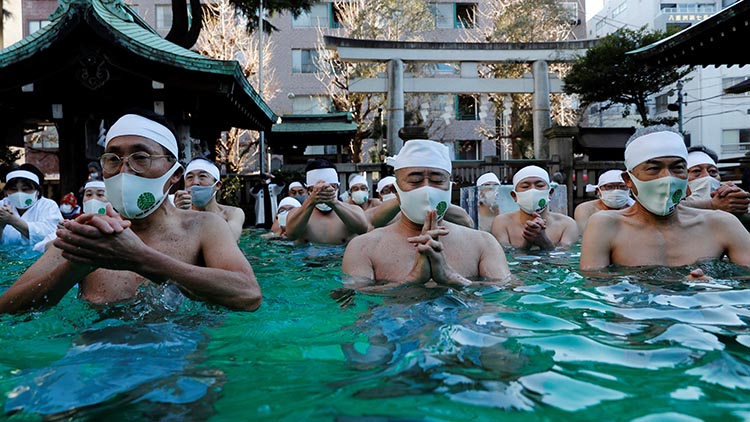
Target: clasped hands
x,y
323,193
534,228
101,241
431,263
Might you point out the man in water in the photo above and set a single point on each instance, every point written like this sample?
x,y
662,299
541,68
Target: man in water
x,y
488,186
386,188
323,218
298,191
612,192
278,229
421,247
534,226
655,230
202,183
359,194
111,257
706,189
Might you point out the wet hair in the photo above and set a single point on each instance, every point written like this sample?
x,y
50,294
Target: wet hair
x,y
318,163
643,131
708,151
158,118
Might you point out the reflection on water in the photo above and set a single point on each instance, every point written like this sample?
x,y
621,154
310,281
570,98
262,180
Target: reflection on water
x,y
634,344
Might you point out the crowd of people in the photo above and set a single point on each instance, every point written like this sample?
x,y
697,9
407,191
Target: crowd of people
x,y
129,231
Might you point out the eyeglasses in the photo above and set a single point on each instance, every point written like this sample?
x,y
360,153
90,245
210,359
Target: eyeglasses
x,y
139,162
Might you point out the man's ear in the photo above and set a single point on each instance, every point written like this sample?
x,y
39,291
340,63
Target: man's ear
x,y
513,195
219,185
551,191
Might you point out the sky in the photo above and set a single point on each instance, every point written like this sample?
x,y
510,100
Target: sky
x,y
593,7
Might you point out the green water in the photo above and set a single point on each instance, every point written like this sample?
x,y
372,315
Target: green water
x,y
633,346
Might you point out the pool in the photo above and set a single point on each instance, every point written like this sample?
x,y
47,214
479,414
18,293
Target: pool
x,y
634,345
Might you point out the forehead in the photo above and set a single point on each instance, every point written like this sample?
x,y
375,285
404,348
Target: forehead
x,y
665,161
703,166
198,172
361,185
423,171
132,142
91,191
533,180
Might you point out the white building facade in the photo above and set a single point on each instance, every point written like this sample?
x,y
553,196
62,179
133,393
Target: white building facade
x,y
711,118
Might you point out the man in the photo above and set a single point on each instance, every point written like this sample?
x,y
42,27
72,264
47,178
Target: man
x,y
706,190
534,226
359,194
298,191
421,247
655,230
202,183
386,189
612,192
110,257
488,186
278,229
323,218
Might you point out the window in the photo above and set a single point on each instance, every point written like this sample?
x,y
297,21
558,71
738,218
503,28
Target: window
x,y
466,150
662,101
163,17
619,9
335,16
320,150
600,25
443,14
466,15
570,12
735,140
317,16
37,25
304,61
466,108
311,104
728,82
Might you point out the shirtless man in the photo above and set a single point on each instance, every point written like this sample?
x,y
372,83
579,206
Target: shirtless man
x,y
613,194
110,257
706,189
323,218
655,230
420,247
534,226
359,194
489,206
202,183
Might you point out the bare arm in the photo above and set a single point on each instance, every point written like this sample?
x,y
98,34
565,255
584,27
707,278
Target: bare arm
x,y
581,215
493,264
236,220
596,248
357,263
570,234
352,216
458,215
500,231
381,215
737,240
297,219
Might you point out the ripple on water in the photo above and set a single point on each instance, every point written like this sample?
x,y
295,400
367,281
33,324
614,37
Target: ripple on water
x,y
689,336
535,321
727,371
567,393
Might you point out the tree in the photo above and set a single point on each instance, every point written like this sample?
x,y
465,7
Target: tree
x,y
224,37
607,74
392,20
249,10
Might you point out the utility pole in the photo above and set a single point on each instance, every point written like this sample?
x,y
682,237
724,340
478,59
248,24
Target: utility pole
x,y
677,105
260,86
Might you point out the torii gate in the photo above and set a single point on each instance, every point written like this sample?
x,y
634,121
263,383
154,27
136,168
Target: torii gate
x,y
469,55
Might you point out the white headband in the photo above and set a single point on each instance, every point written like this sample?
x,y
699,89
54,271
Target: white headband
x,y
530,171
204,165
94,184
697,158
422,153
388,180
487,178
358,180
609,176
133,124
327,175
654,145
289,201
22,174
296,185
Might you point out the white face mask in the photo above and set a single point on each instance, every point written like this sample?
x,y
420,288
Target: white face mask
x,y
416,203
360,197
488,196
533,200
136,197
94,206
282,217
616,198
202,195
701,188
660,196
388,197
22,200
323,207
66,208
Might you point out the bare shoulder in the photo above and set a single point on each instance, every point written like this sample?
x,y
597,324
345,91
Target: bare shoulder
x,y
586,207
561,218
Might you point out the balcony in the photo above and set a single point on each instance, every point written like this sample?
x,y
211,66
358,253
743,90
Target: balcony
x,y
736,148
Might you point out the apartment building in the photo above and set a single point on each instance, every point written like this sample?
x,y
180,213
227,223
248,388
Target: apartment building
x,y
710,117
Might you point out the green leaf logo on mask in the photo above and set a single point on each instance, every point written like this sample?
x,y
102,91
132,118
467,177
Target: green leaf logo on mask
x,y
542,203
442,207
146,201
677,196
29,201
101,211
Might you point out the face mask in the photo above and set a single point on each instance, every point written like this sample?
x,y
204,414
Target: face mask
x,y
616,198
94,206
360,197
282,218
202,195
323,207
22,200
701,188
660,196
136,197
488,197
416,203
388,196
66,208
533,200
300,198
